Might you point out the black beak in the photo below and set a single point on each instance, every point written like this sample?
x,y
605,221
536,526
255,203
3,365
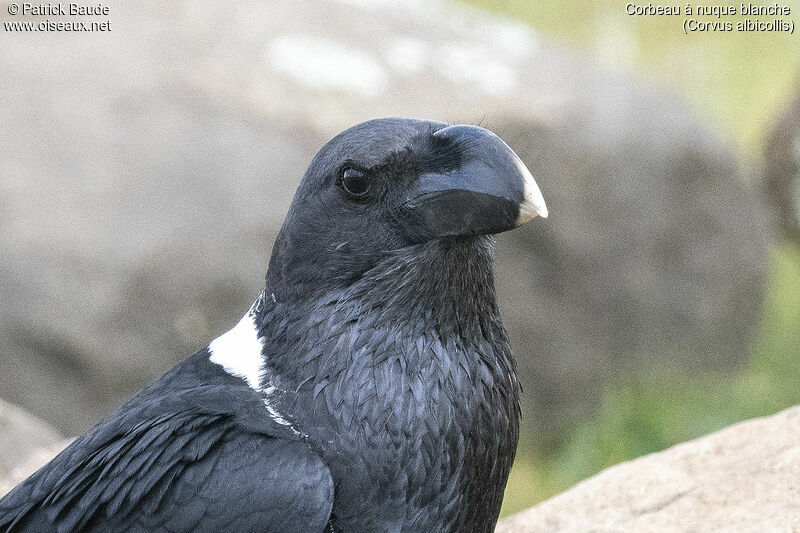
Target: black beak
x,y
490,191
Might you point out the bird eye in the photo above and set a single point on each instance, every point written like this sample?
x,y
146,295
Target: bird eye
x,y
355,182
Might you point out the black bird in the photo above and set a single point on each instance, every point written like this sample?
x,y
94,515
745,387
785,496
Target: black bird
x,y
370,387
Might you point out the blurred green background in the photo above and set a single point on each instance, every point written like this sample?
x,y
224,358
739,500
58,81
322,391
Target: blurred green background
x,y
736,82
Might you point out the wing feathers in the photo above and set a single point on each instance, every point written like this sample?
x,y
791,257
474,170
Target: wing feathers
x,y
187,471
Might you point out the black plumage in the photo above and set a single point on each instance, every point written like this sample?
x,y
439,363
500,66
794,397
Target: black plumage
x,y
380,393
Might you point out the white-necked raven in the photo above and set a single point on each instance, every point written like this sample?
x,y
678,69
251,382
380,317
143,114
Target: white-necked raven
x,y
369,388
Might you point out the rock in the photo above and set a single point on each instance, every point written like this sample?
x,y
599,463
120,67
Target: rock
x,y
21,434
782,168
37,458
147,169
741,479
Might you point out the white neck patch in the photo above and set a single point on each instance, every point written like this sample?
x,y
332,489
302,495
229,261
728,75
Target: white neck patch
x,y
238,351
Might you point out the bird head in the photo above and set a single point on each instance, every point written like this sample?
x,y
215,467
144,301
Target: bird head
x,y
392,183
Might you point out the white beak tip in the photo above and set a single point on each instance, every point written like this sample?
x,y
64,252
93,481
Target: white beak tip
x,y
533,204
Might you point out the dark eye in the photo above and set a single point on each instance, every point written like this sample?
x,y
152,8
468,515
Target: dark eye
x,y
355,182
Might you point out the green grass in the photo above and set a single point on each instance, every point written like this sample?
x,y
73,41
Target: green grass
x,y
736,83
642,415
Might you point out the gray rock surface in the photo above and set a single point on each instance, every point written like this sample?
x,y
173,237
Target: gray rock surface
x,y
32,461
782,168
21,434
741,479
145,172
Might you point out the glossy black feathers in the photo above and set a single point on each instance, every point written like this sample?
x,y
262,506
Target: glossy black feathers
x,y
386,397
